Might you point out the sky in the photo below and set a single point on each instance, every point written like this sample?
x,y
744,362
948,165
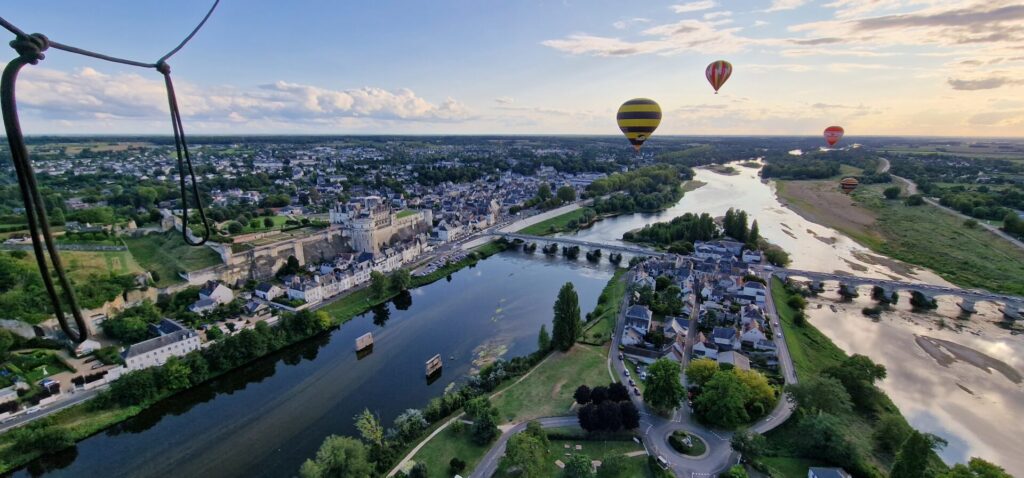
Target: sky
x,y
876,67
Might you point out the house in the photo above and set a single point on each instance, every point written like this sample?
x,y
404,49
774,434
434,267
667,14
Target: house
x,y
308,291
751,256
817,472
632,337
202,306
639,318
705,348
268,291
752,333
725,338
734,358
216,292
176,342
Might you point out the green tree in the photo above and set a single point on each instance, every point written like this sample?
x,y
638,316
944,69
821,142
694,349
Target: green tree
x,y
479,407
214,333
662,389
914,200
736,471
723,401
234,227
543,339
912,459
578,466
544,191
401,280
890,432
700,371
820,393
370,428
378,284
484,429
824,436
337,457
754,234
750,444
975,468
858,375
41,438
419,470
613,467
892,192
566,194
567,325
526,454
410,424
268,222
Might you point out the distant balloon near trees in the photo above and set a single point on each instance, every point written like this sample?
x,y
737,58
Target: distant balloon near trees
x,y
638,118
848,185
718,73
833,134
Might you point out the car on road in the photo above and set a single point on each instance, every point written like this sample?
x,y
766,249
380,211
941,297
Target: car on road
x,y
662,462
778,334
626,372
636,391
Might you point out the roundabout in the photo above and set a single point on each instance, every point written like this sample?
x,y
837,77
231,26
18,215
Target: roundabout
x,y
687,444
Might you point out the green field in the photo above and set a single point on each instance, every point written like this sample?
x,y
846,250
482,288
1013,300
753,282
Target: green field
x,y
167,254
602,319
447,445
278,224
548,390
810,349
554,225
927,236
405,213
82,264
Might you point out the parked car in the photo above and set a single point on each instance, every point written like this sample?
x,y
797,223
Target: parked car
x,y
636,391
662,462
627,372
778,334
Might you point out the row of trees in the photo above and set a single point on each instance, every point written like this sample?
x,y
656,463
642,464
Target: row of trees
x,y
606,409
687,228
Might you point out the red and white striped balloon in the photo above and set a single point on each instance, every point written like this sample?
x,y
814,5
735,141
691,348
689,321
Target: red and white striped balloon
x,y
833,134
717,73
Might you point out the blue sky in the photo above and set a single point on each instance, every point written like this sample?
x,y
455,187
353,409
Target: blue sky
x,y
924,67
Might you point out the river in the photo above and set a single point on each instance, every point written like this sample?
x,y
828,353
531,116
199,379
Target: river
x,y
970,396
268,417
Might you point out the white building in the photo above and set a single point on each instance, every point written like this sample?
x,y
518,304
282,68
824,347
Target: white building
x,y
216,292
268,291
308,291
175,341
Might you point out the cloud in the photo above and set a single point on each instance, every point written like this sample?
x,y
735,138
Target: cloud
x,y
624,24
504,100
688,35
55,95
982,84
779,5
693,6
714,15
998,118
760,23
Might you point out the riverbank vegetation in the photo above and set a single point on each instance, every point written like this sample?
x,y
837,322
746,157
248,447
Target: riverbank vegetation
x,y
601,321
921,235
842,418
567,222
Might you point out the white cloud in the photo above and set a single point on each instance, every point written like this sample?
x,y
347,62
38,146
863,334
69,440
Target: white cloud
x,y
779,5
681,36
624,24
504,100
989,83
85,94
714,15
694,6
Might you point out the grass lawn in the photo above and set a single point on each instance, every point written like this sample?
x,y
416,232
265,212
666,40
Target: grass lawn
x,y
167,254
548,390
35,365
602,319
554,225
810,349
81,264
278,224
560,449
446,445
693,185
788,467
405,213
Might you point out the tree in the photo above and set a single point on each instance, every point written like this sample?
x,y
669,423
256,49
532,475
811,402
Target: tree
x,y
268,222
613,467
598,394
410,424
892,192
214,333
617,392
629,414
567,325
975,468
456,465
820,393
527,454
484,430
41,439
479,407
750,444
890,432
566,194
544,191
723,400
378,284
609,416
824,436
912,459
291,266
700,371
338,456
914,200
578,466
858,375
754,234
736,471
419,470
582,395
543,339
370,428
662,388
235,228
401,280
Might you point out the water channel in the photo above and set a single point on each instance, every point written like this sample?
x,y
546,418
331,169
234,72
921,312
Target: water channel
x,y
957,378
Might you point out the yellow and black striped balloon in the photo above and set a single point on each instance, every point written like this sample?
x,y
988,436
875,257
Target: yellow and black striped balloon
x,y
637,119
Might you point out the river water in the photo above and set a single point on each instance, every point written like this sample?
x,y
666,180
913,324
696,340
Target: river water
x,y
966,390
266,419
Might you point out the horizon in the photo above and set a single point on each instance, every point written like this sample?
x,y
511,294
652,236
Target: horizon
x,y
895,68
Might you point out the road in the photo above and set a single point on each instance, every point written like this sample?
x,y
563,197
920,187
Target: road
x,y
75,399
912,189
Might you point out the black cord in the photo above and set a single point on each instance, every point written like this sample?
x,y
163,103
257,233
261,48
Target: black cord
x,y
30,50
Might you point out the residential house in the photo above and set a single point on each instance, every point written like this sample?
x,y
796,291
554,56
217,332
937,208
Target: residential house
x,y
639,318
308,291
818,472
734,358
268,291
725,338
216,292
203,306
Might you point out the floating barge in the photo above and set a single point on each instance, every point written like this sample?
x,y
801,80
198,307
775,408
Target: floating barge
x,y
434,365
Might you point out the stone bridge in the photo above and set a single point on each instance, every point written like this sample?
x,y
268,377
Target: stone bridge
x,y
621,248
1013,306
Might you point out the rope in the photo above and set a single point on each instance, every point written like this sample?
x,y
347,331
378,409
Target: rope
x,y
30,50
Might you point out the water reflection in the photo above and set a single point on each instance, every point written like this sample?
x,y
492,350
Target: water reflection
x,y
266,418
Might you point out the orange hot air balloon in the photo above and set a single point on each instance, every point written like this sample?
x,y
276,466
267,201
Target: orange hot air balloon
x,y
833,134
848,185
717,73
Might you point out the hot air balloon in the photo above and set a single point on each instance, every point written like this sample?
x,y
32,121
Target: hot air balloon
x,y
848,185
833,134
637,119
718,72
